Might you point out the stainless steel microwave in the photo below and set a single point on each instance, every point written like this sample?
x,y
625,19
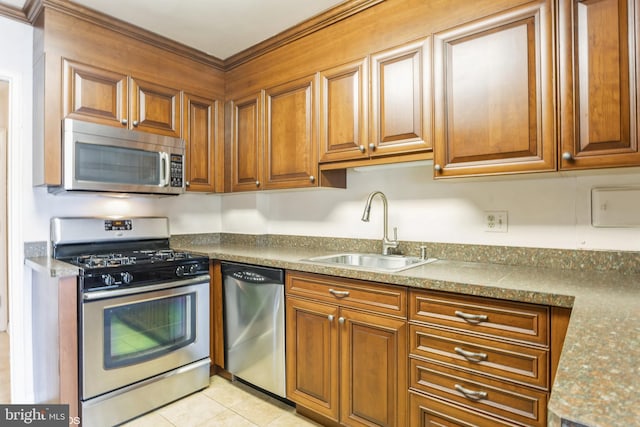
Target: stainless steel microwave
x,y
101,158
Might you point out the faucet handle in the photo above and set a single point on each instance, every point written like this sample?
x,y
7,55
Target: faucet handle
x,y
423,252
395,234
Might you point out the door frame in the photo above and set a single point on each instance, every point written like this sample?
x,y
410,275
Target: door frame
x,y
4,207
4,238
19,281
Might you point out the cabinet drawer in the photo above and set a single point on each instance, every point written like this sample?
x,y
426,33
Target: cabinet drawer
x,y
528,365
348,293
426,411
493,397
495,318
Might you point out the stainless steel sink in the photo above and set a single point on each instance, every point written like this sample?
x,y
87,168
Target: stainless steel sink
x,y
374,262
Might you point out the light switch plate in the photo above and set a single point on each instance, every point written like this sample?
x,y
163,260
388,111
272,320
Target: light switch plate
x,y
615,207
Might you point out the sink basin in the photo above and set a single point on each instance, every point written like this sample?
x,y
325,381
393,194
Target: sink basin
x,y
375,262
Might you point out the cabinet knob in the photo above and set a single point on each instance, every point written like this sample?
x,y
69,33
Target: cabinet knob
x,y
187,183
372,146
312,178
135,123
361,148
257,183
341,320
330,317
567,156
437,168
124,122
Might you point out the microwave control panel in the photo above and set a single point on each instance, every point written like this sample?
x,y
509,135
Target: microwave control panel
x,y
176,170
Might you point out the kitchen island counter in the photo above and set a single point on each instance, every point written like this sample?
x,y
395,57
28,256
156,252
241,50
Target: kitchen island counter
x,y
598,373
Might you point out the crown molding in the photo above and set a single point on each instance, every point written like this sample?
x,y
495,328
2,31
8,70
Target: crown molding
x,y
130,30
14,13
311,25
33,8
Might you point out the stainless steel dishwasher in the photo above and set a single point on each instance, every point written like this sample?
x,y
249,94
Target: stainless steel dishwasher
x,y
254,325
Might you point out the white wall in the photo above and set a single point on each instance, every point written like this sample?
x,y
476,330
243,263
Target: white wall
x,y
551,211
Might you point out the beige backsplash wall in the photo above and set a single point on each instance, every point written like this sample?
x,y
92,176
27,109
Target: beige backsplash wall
x,y
548,211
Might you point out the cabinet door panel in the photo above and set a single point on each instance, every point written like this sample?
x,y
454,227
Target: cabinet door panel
x,y
95,95
246,143
155,108
373,369
498,319
400,99
522,364
497,398
430,412
598,65
312,356
290,140
494,94
200,134
343,112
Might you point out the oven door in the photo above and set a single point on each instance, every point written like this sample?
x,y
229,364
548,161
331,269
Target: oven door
x,y
130,335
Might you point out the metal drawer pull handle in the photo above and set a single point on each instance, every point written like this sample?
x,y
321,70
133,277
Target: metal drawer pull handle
x,y
473,395
472,318
339,294
473,357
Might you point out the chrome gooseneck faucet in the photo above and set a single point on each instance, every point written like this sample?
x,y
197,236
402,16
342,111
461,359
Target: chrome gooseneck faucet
x,y
387,244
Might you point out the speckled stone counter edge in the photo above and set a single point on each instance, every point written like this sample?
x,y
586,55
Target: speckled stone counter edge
x,y
564,259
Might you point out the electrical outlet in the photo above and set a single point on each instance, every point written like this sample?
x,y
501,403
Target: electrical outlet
x,y
496,221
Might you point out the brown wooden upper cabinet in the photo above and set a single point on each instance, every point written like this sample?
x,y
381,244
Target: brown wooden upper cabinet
x,y
273,138
599,70
494,94
246,142
112,98
155,108
202,133
392,118
400,99
291,150
343,112
94,94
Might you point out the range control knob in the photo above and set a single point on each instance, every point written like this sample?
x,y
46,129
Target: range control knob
x,y
126,277
107,279
193,268
180,271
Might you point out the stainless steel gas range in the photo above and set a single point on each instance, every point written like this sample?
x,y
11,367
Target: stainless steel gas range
x,y
143,315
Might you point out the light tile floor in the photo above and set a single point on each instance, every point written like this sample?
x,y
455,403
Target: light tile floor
x,y
224,404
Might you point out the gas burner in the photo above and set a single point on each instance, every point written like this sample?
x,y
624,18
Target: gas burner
x,y
162,255
104,260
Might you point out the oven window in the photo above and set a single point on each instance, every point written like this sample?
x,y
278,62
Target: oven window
x,y
146,330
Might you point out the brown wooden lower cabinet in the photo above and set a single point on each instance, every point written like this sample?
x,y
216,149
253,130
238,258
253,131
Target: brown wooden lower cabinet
x,y
502,399
345,364
426,411
478,361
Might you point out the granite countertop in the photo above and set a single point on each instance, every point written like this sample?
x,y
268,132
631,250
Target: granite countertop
x,y
596,381
598,373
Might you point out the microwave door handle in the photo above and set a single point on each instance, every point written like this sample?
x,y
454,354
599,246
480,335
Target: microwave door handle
x,y
164,169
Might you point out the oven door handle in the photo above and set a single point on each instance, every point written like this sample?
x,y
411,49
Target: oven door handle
x,y
92,296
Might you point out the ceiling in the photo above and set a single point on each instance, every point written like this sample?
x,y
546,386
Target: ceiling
x,y
220,28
